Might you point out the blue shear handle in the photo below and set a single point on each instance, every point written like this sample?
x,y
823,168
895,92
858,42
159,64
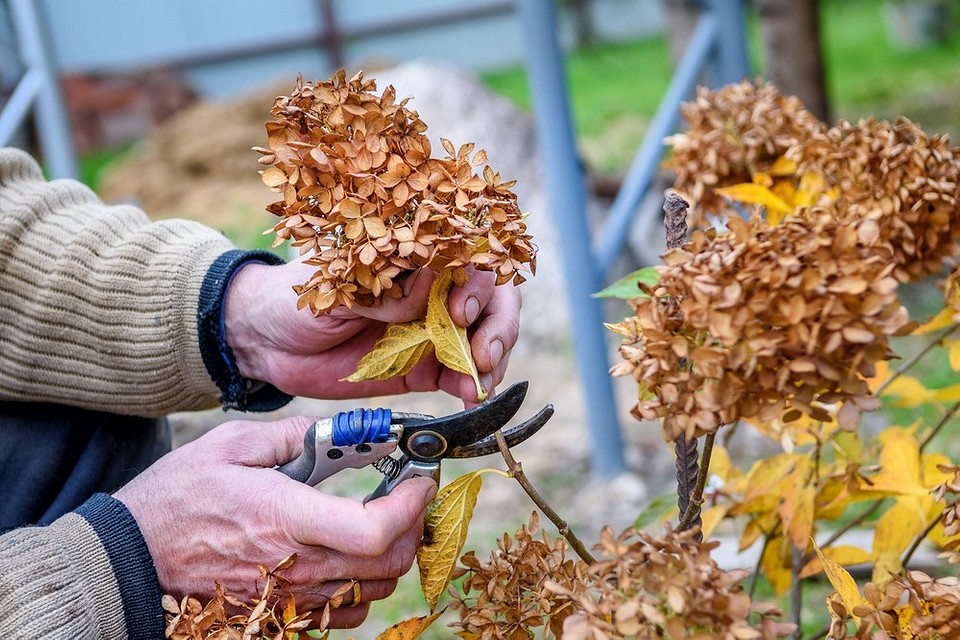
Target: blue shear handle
x,y
361,426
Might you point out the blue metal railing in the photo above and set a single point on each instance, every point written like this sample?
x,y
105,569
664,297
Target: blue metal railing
x,y
717,47
38,89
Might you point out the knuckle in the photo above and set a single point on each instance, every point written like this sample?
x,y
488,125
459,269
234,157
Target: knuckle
x,y
374,541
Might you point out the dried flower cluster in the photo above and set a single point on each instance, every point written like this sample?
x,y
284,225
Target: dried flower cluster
x,y
917,606
734,133
363,196
904,180
519,588
793,316
643,587
667,587
271,616
771,319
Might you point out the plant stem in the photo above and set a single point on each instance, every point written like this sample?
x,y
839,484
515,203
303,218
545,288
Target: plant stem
x,y
796,591
685,452
916,542
908,364
685,449
842,530
691,516
952,411
516,470
756,569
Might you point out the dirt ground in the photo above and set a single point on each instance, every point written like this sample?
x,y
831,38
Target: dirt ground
x,y
199,165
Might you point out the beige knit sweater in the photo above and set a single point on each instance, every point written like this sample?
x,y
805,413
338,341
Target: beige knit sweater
x,y
97,304
98,310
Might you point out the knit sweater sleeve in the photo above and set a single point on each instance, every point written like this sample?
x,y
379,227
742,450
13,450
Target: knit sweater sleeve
x,y
98,305
86,576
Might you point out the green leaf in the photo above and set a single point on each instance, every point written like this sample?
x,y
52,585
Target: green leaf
x,y
627,287
660,509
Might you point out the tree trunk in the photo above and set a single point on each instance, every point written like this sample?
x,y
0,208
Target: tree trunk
x,y
583,23
790,30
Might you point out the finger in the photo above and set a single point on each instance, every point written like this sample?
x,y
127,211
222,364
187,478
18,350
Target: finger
x,y
411,306
467,302
314,595
464,387
349,526
348,617
338,565
498,328
259,444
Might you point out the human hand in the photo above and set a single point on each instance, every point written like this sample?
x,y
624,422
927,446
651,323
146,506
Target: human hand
x,y
275,342
215,508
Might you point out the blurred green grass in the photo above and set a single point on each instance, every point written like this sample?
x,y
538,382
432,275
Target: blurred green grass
x,y
616,88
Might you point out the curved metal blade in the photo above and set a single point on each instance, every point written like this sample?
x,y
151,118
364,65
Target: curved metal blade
x,y
466,427
513,436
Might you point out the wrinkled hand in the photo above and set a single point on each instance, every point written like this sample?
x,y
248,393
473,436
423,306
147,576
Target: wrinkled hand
x,y
302,355
214,509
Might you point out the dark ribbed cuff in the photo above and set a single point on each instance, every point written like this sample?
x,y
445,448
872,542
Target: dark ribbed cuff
x,y
131,563
236,392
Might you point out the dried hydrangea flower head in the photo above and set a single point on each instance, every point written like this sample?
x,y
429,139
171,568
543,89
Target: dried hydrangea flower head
x,y
785,316
897,176
365,199
772,320
734,133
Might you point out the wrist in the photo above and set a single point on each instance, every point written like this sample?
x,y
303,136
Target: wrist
x,y
242,384
243,303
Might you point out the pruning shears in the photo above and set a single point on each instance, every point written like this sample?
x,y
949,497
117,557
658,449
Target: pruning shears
x,y
355,439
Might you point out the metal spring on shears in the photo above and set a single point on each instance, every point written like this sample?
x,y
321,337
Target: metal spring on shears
x,y
390,467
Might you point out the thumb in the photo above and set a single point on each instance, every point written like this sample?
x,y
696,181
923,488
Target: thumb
x,y
412,305
262,444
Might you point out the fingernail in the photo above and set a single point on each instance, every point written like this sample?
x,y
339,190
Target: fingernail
x,y
486,381
496,353
471,309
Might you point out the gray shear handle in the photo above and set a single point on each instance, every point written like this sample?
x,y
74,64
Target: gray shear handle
x,y
302,468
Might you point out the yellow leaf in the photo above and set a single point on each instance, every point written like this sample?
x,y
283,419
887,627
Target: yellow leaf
x,y
290,609
895,530
710,518
844,555
843,583
811,186
908,392
445,531
751,193
797,513
411,628
899,465
953,351
940,321
775,564
766,474
449,339
396,353
947,394
783,166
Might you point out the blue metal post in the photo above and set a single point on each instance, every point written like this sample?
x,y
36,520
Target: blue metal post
x,y
568,202
732,60
53,130
646,163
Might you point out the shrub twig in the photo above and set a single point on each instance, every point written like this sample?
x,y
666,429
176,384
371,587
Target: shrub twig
x,y
516,470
